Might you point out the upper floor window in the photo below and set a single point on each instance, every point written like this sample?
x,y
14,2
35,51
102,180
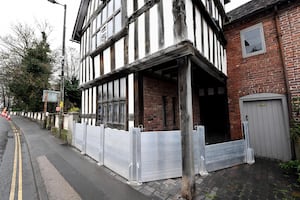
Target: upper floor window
x,y
107,23
253,40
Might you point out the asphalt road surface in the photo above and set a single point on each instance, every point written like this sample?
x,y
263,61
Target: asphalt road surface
x,y
4,128
16,175
62,173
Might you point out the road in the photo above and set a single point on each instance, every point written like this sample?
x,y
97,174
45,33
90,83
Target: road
x,y
36,165
16,176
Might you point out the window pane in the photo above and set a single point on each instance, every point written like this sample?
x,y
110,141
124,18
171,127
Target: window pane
x,y
110,8
104,93
118,22
110,113
104,14
117,4
100,93
116,89
104,113
123,87
116,112
110,90
101,36
110,28
94,25
94,41
122,112
100,116
252,41
99,20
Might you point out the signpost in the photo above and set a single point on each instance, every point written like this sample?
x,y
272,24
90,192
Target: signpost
x,y
49,96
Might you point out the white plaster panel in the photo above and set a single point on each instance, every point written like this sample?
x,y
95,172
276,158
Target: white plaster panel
x,y
141,36
153,29
106,60
131,98
94,100
83,102
205,34
198,31
211,49
83,71
129,7
91,68
87,67
97,66
141,3
224,62
190,20
119,53
168,23
80,74
131,43
86,101
90,96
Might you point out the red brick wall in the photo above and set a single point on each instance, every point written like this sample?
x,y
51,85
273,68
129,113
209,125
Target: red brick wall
x,y
154,90
256,74
290,29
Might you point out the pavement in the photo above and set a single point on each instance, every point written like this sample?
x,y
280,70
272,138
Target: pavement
x,y
262,180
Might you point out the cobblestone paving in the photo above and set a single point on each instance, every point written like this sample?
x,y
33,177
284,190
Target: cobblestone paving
x,y
262,180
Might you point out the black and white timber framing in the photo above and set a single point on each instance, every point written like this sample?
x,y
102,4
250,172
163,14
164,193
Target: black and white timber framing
x,y
136,35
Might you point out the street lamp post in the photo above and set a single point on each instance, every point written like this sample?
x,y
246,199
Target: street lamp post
x,y
62,82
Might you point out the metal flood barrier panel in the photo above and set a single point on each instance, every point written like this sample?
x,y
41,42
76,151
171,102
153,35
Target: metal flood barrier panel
x,y
224,155
80,129
93,142
147,156
117,151
161,154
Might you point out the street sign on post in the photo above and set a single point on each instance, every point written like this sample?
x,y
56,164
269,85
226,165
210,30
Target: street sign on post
x,y
50,96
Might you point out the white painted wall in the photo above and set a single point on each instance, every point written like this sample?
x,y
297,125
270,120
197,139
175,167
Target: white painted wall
x,y
141,36
153,29
131,99
119,53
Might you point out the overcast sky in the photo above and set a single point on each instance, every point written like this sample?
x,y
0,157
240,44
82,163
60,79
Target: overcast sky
x,y
30,11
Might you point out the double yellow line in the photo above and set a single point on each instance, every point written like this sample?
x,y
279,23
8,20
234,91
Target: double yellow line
x,y
17,164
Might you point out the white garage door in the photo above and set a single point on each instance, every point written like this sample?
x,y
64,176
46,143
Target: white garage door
x,y
268,130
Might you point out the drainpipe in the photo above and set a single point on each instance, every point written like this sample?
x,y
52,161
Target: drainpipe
x,y
285,75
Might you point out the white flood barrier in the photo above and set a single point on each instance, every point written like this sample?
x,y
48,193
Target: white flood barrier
x,y
80,130
117,151
160,155
148,156
93,135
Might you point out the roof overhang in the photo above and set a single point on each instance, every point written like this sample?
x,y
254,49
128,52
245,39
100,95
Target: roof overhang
x,y
80,20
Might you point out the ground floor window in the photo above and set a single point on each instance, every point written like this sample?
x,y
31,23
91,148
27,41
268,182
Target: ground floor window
x,y
112,104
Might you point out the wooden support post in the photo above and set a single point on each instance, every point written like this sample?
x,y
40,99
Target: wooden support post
x,y
186,127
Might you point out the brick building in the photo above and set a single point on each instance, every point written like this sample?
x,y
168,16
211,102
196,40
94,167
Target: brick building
x,y
263,57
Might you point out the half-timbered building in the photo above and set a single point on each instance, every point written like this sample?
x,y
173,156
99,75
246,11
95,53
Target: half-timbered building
x,y
147,62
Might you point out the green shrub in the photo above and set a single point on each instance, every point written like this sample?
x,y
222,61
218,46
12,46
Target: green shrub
x,y
54,130
74,109
292,167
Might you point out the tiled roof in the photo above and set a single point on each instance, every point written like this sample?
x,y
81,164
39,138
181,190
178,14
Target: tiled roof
x,y
251,8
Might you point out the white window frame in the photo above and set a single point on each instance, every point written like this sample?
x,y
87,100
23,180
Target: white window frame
x,y
262,37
